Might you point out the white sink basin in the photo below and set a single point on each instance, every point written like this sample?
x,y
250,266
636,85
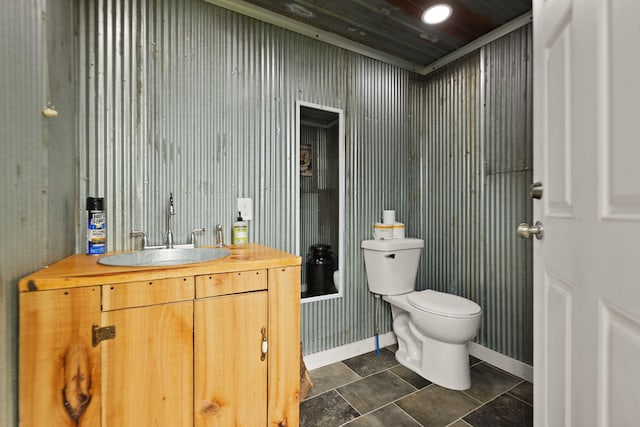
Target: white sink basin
x,y
163,257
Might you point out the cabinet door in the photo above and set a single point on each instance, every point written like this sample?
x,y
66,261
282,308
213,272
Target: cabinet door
x,y
230,375
59,368
284,341
147,369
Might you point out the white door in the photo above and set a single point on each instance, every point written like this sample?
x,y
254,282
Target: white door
x,y
587,265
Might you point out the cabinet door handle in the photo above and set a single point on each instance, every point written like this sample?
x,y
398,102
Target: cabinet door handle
x,y
265,344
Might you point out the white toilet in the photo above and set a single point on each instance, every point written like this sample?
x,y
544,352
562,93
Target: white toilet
x,y
432,327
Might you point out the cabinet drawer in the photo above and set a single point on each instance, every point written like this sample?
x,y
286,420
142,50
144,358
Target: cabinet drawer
x,y
146,292
230,283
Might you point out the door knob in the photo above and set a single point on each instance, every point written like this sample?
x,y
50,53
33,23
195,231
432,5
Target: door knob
x,y
525,230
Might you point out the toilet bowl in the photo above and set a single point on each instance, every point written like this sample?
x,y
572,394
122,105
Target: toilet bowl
x,y
433,328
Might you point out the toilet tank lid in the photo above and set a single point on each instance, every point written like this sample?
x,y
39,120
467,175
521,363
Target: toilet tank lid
x,y
442,303
392,244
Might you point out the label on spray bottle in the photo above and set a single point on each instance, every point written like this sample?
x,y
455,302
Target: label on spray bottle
x,y
96,226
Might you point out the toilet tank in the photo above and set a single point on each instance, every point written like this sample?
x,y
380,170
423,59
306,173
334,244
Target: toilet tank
x,y
392,264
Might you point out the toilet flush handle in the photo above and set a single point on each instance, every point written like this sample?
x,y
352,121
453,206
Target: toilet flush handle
x,y
392,256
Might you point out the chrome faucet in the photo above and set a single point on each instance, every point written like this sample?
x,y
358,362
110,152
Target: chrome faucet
x,y
171,213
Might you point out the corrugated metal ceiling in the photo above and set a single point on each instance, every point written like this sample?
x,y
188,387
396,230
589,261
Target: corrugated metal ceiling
x,y
392,28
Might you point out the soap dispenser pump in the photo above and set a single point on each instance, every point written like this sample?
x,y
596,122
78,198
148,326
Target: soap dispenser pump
x,y
240,231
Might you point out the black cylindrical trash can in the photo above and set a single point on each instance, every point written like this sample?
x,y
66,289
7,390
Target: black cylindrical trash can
x,y
320,268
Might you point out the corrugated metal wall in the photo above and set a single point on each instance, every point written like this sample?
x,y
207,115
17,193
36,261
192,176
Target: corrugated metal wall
x,y
508,134
194,99
191,98
37,184
186,97
377,129
472,163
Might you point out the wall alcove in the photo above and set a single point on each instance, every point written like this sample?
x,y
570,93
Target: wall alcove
x,y
320,172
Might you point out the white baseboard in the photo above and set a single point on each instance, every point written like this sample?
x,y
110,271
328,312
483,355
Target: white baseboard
x,y
499,360
338,354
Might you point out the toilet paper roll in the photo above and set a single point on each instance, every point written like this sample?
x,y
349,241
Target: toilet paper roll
x,y
389,217
382,231
398,230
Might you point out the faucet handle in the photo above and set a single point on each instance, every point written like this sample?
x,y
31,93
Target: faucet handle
x,y
193,235
139,233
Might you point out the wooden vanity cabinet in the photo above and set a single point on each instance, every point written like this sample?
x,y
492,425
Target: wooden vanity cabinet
x,y
216,349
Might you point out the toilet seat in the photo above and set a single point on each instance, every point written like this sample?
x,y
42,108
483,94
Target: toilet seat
x,y
443,304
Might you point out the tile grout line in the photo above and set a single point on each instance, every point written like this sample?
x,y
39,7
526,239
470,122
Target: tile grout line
x,y
407,395
405,412
405,381
393,402
349,403
482,404
410,394
416,390
459,419
342,385
516,397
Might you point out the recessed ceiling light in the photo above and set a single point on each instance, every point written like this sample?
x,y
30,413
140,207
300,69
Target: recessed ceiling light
x,y
436,14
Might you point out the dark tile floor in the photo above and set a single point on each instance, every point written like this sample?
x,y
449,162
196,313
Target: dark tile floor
x,y
372,390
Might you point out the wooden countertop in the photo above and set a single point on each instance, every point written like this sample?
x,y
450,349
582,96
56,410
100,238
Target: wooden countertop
x,y
83,270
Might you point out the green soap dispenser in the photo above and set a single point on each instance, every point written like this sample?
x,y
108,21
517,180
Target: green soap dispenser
x,y
240,231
